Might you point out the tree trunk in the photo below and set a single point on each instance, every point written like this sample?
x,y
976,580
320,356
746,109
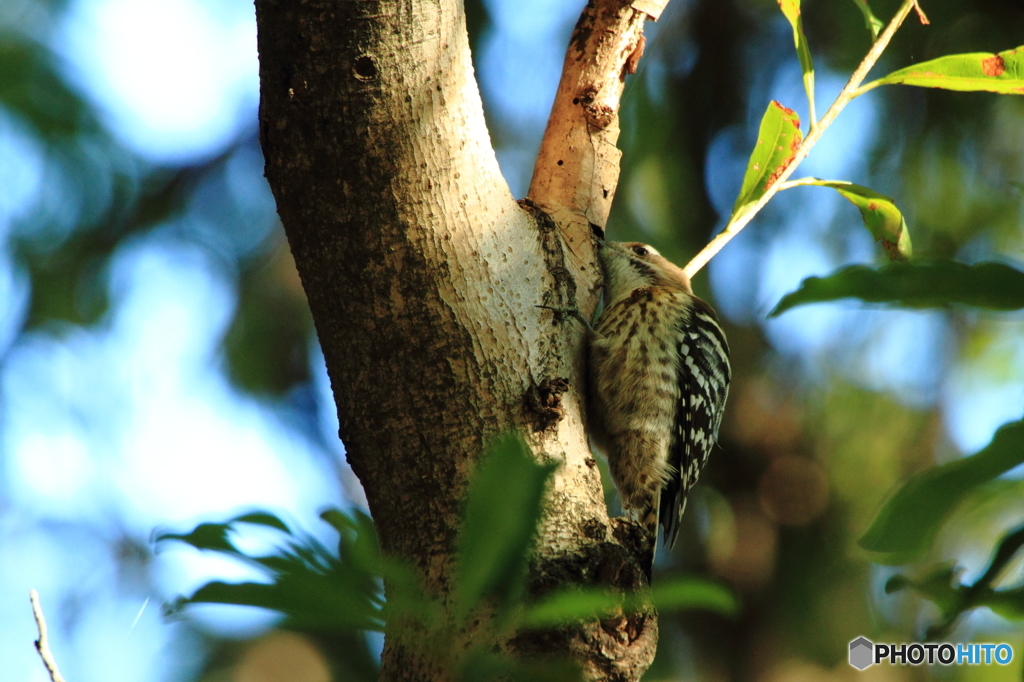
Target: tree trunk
x,y
424,276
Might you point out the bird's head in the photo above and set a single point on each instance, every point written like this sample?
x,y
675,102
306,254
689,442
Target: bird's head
x,y
631,265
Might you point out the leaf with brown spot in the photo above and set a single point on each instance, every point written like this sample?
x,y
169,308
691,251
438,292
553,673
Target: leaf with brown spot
x,y
777,142
880,214
1001,73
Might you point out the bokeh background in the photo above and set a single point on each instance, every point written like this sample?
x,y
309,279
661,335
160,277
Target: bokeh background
x,y
158,366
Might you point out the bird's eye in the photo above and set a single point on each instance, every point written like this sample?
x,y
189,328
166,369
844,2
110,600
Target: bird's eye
x,y
640,251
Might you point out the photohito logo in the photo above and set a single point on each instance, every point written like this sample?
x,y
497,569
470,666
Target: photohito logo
x,y
864,653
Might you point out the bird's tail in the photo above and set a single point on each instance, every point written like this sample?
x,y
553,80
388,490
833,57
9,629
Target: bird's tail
x,y
649,516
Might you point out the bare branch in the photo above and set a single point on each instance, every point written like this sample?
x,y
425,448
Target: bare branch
x,y
43,644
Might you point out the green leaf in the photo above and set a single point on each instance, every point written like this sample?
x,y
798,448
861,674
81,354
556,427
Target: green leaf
x,y
777,142
358,542
1002,73
1005,551
213,536
315,590
262,518
873,23
909,521
309,602
571,604
791,10
271,324
1007,603
210,536
31,86
921,284
879,212
694,593
881,216
940,585
66,279
504,506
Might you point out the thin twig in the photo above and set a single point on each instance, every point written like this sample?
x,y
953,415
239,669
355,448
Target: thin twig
x,y
849,91
799,182
920,13
43,644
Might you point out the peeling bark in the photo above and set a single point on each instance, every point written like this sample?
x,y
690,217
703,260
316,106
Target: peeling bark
x,y
577,168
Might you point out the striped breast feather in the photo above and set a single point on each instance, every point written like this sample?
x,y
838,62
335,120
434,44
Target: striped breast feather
x,y
704,379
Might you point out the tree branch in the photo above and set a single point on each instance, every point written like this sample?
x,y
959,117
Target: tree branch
x,y
43,643
577,168
848,93
423,277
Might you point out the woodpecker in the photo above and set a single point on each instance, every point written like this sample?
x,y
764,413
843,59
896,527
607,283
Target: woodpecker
x,y
659,378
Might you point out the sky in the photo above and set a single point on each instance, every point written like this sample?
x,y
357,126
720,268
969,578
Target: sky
x,y
131,424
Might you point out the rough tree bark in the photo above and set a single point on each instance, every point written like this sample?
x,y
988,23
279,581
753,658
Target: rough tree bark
x,y
424,275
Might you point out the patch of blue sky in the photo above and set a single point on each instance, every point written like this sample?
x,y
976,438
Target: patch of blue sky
x,y
986,387
21,169
906,352
520,61
327,416
14,299
116,642
986,391
804,331
57,412
735,279
189,428
175,79
521,55
724,166
232,211
903,352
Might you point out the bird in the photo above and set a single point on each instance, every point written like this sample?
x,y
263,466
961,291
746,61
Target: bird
x,y
658,380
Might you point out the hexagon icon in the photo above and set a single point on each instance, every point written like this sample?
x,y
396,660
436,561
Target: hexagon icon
x,y
861,651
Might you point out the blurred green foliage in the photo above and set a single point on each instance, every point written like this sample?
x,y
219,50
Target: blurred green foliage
x,y
942,586
907,524
921,284
341,596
